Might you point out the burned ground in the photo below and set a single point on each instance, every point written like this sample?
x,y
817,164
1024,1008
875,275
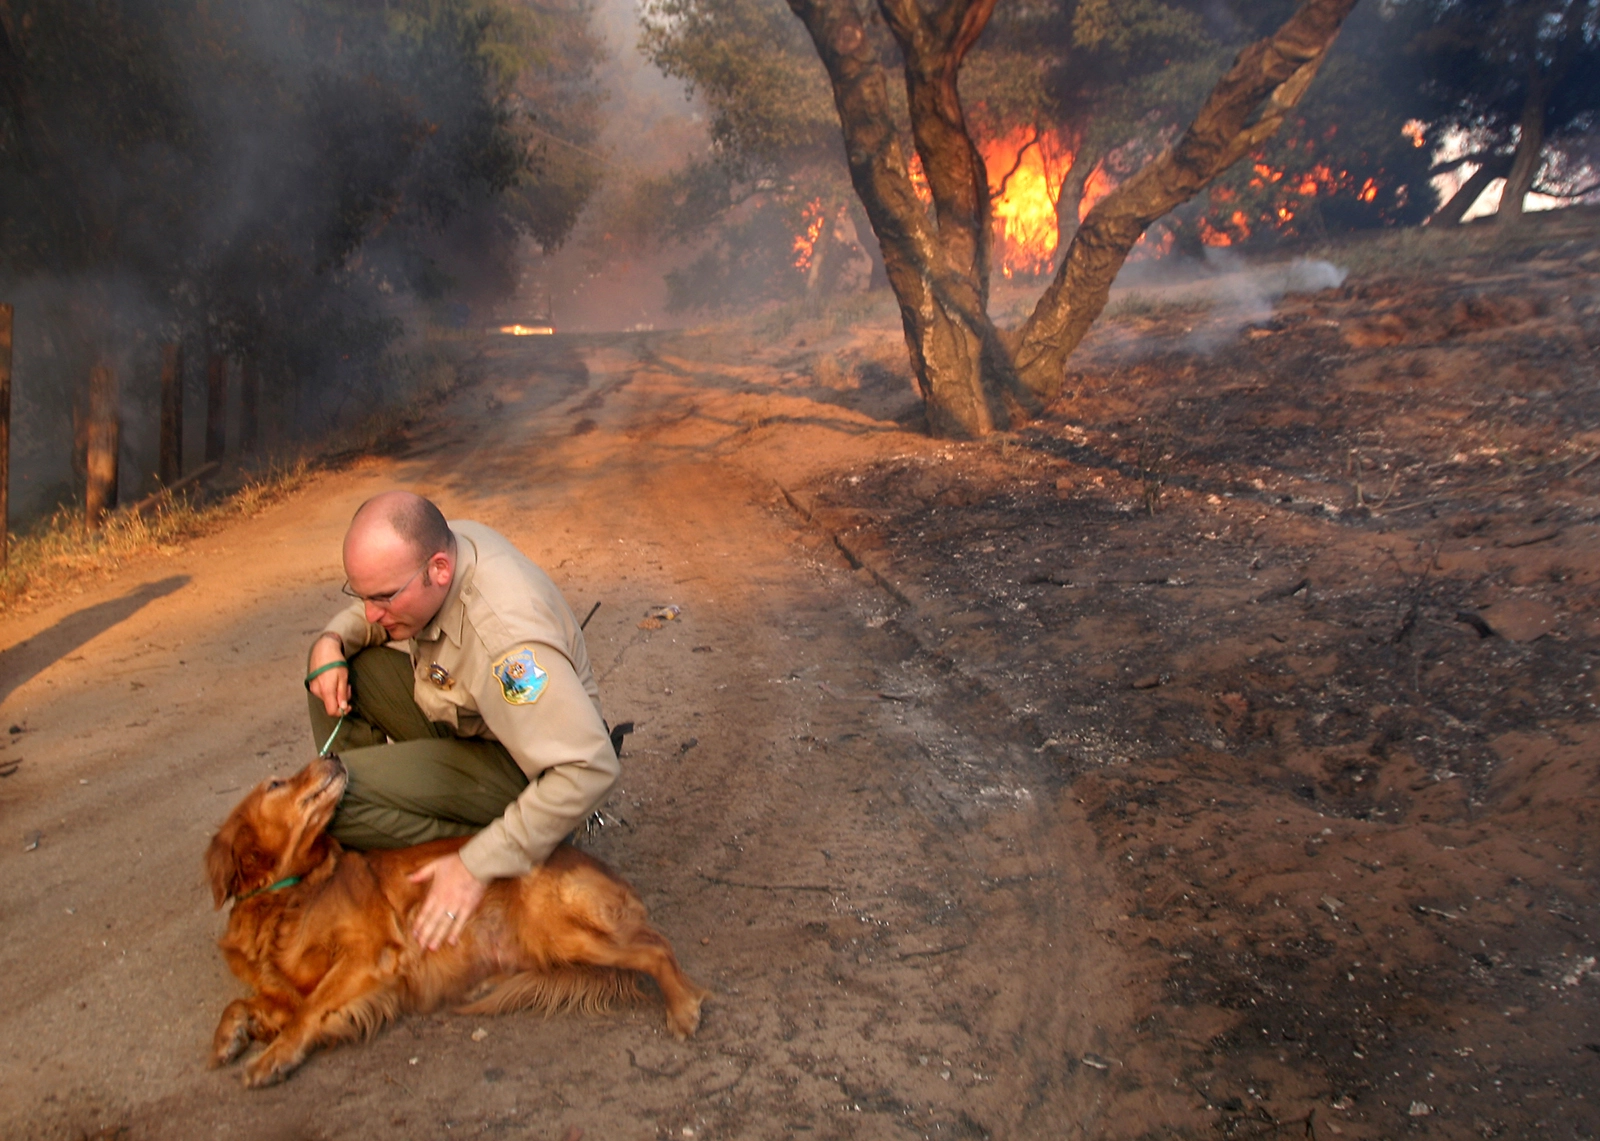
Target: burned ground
x,y
1307,609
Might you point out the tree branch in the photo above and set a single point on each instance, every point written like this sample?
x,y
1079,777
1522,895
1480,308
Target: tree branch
x,y
1552,192
1476,158
1000,191
1244,109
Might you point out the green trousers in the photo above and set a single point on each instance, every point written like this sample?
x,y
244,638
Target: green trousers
x,y
411,779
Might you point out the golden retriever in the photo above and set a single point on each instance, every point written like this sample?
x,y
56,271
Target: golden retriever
x,y
330,956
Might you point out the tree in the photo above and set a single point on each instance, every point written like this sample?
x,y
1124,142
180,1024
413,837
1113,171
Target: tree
x,y
285,180
974,380
777,168
1520,79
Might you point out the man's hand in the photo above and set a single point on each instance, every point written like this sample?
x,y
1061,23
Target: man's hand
x,y
452,898
333,687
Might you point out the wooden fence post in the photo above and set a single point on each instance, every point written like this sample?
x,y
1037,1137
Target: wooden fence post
x,y
169,466
101,463
6,314
249,398
216,406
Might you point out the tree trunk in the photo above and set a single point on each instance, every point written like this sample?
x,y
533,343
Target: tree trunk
x,y
1083,164
249,405
6,314
104,442
169,463
1275,71
1530,150
216,406
1451,213
937,267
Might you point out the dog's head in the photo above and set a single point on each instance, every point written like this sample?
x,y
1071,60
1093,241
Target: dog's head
x,y
276,831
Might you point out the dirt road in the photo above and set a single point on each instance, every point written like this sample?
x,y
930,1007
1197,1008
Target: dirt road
x,y
895,909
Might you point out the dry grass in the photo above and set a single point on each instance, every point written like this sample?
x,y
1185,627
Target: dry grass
x,y
60,553
1481,245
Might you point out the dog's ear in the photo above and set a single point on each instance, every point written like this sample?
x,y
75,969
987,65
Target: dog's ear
x,y
234,862
221,872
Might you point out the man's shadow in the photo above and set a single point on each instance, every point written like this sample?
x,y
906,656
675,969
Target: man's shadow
x,y
27,659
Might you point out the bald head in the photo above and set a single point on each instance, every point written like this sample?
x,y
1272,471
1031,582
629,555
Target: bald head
x,y
399,559
400,517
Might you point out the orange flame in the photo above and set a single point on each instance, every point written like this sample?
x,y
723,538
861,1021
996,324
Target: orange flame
x,y
805,242
1026,168
1095,187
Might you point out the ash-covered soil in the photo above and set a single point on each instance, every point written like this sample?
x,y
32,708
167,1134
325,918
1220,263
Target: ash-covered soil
x,y
1306,606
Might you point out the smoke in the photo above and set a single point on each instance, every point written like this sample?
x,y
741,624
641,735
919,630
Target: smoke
x,y
1243,294
1231,292
303,187
610,276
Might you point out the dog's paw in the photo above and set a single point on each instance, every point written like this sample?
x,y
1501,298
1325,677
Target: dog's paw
x,y
226,1050
684,1018
232,1036
268,1068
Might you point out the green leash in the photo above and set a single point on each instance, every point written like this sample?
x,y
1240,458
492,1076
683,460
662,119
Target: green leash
x,y
290,881
337,725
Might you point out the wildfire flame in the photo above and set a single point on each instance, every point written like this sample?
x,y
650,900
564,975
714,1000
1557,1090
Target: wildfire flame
x,y
528,330
1095,187
805,242
1026,168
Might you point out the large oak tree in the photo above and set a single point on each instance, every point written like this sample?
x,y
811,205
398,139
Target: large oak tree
x,y
1521,80
974,378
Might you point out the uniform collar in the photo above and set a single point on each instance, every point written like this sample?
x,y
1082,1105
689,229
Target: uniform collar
x,y
453,612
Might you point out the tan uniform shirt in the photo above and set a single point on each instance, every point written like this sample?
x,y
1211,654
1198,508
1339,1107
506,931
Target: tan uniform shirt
x,y
504,659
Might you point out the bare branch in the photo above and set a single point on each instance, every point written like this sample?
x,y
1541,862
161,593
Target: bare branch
x,y
1000,192
1244,109
1553,192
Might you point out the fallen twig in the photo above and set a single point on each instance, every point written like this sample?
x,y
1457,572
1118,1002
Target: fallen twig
x,y
829,888
174,487
1286,591
1542,537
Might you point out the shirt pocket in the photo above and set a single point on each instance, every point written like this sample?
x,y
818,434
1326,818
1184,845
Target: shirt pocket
x,y
443,694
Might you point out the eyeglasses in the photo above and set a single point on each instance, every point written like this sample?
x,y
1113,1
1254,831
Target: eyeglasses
x,y
383,599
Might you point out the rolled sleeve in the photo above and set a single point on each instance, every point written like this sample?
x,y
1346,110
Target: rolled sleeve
x,y
561,743
353,630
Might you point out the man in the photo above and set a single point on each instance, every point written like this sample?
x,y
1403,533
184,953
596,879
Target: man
x,y
487,723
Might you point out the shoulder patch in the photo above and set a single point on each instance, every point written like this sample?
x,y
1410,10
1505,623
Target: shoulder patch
x,y
521,680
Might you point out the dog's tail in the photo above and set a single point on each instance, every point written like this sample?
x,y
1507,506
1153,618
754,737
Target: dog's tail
x,y
589,990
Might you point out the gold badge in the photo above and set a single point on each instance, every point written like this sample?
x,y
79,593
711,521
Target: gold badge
x,y
440,676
